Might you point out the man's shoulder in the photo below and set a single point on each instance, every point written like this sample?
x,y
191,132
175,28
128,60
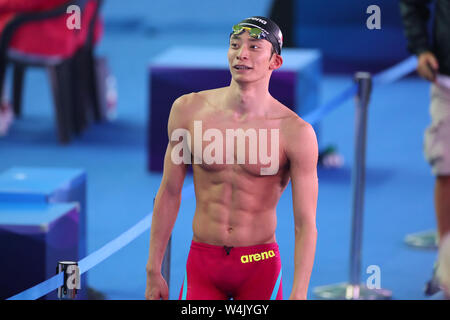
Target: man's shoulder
x,y
291,122
184,100
294,128
180,110
191,105
197,99
211,96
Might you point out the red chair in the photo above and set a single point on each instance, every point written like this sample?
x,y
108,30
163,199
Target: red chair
x,y
41,38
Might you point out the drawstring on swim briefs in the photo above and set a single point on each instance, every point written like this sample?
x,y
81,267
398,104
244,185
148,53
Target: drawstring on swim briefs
x,y
227,249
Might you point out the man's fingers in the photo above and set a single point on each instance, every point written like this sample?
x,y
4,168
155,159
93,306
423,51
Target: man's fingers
x,y
429,74
432,61
428,58
155,297
426,72
428,66
165,292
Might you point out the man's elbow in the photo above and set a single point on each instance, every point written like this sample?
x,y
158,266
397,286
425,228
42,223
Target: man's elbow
x,y
306,228
168,196
171,195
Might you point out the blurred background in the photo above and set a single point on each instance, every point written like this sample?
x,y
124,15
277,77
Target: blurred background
x,y
113,153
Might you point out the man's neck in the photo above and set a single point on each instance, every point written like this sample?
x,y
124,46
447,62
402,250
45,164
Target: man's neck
x,y
248,99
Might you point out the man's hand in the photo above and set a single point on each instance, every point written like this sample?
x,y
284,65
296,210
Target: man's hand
x,y
428,66
157,288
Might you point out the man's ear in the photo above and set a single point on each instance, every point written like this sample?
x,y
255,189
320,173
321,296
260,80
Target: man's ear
x,y
276,62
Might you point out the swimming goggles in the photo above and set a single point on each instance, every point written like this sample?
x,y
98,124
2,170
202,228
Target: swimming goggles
x,y
255,33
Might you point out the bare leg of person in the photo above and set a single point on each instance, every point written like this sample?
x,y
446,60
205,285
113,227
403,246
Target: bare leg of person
x,y
442,204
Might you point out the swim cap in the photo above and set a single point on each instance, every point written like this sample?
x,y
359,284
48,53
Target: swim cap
x,y
269,28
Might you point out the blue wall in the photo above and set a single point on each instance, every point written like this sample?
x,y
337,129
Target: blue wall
x,y
179,16
338,28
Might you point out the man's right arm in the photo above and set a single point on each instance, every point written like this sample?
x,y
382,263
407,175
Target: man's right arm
x,y
167,201
415,15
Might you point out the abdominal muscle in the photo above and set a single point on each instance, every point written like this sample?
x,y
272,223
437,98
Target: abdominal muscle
x,y
234,208
209,229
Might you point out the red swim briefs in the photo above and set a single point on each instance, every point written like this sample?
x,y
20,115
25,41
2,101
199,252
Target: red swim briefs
x,y
242,273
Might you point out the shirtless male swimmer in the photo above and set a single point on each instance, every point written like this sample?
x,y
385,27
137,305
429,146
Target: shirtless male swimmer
x,y
234,253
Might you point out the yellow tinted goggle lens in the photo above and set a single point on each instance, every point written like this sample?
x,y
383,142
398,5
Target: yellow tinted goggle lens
x,y
254,32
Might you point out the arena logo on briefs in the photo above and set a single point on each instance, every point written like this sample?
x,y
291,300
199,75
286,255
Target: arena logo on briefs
x,y
257,256
258,142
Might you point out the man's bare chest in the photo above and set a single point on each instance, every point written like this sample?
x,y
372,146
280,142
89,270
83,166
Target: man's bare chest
x,y
226,144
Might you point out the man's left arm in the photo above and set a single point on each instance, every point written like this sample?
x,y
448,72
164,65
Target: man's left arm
x,y
303,156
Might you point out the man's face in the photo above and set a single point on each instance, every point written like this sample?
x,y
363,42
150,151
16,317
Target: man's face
x,y
251,59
